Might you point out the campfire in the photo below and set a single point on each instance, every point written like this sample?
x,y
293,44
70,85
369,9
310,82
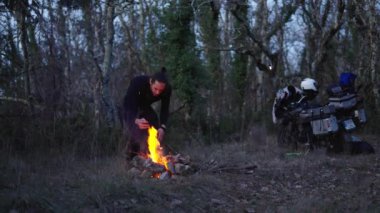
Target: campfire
x,y
156,164
155,149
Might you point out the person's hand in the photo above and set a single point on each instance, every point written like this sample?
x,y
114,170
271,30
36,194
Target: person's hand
x,y
161,134
142,123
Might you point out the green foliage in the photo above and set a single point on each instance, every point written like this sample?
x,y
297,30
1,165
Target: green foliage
x,y
209,35
240,61
239,75
49,133
181,56
153,53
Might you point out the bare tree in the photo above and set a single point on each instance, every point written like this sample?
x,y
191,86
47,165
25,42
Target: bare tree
x,y
324,20
107,62
20,9
207,15
363,14
373,34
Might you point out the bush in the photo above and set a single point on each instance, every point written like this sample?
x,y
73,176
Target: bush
x,y
24,132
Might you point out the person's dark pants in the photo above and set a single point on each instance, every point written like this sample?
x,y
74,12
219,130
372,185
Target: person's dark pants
x,y
137,138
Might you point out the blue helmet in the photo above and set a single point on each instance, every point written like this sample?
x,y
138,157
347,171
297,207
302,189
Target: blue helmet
x,y
347,79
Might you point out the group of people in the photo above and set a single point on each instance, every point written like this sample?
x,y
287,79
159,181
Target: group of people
x,y
289,96
143,91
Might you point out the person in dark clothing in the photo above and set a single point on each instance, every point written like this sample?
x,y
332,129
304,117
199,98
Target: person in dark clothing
x,y
347,82
289,97
345,85
139,115
284,98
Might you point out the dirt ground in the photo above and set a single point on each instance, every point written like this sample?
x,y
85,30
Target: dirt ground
x,y
254,176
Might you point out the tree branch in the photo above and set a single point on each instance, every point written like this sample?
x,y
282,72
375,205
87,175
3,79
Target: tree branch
x,y
19,100
288,10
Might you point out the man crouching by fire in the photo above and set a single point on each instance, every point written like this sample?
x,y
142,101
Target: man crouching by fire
x,y
139,115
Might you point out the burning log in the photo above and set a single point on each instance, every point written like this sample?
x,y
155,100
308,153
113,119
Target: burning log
x,y
171,167
144,167
164,176
156,164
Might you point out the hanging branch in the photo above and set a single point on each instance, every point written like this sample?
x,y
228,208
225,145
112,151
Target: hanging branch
x,y
328,34
288,11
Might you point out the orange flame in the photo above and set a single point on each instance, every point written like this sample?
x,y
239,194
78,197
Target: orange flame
x,y
155,148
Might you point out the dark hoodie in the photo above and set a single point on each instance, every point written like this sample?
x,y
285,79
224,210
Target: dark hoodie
x,y
139,98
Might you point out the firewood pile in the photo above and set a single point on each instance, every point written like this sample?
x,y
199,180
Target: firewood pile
x,y
141,166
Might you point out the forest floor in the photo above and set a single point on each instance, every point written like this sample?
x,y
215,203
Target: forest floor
x,y
281,182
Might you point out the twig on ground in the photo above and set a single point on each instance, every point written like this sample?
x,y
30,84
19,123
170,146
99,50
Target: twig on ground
x,y
234,169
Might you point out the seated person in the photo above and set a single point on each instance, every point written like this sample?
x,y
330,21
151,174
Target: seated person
x,y
346,85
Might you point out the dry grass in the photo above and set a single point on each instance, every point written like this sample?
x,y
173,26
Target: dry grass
x,y
312,182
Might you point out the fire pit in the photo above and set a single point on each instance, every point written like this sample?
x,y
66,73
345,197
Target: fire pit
x,y
156,164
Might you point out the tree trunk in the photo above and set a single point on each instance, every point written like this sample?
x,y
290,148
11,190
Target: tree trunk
x,y
21,12
16,61
373,45
106,71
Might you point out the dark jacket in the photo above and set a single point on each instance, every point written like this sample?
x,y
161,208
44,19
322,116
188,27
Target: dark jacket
x,y
139,98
